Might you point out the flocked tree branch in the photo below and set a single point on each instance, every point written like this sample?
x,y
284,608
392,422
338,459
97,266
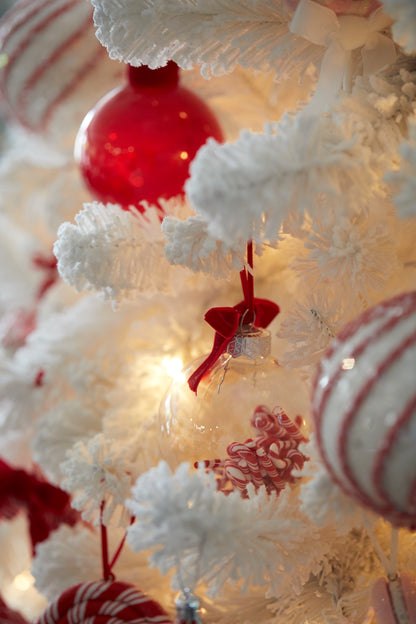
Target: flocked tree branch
x,y
216,34
113,251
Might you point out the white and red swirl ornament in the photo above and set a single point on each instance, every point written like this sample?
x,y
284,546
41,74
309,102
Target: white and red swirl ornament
x,y
47,47
364,406
103,602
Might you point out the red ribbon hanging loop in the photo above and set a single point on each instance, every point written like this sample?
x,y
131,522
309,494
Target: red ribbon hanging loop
x,y
226,322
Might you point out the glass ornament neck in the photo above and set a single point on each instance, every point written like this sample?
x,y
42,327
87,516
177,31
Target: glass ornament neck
x,y
251,342
187,609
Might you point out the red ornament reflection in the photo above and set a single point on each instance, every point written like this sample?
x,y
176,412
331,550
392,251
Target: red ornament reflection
x,y
138,141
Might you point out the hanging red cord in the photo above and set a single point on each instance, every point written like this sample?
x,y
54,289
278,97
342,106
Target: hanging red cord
x,y
108,565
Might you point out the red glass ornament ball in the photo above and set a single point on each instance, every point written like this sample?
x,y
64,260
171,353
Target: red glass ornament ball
x,y
138,141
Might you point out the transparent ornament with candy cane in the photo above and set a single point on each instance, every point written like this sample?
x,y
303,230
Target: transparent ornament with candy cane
x,y
197,425
266,460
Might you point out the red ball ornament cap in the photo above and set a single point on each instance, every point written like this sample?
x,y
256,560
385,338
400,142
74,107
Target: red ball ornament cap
x,y
143,78
138,142
103,602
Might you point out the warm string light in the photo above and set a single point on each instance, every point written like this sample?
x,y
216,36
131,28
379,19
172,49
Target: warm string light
x,y
173,367
23,581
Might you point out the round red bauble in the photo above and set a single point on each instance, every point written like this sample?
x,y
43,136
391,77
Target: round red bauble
x,y
103,602
364,406
137,143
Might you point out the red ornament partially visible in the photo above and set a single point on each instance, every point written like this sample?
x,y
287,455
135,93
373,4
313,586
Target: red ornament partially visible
x,y
46,505
10,616
103,602
137,143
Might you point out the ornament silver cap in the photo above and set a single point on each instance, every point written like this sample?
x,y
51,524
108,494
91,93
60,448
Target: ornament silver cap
x,y
187,608
250,341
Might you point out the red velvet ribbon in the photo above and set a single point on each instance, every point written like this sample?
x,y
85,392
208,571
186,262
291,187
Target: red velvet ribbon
x,y
226,322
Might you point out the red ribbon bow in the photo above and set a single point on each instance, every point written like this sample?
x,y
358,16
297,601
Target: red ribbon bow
x,y
226,322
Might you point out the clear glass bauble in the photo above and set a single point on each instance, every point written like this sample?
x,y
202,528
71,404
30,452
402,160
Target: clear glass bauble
x,y
200,427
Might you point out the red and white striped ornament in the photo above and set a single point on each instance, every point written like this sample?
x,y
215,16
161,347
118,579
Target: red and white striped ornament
x,y
364,406
103,602
48,48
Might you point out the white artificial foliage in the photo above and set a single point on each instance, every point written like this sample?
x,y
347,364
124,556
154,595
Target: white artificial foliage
x,y
204,534
31,148
69,556
246,189
112,251
59,200
72,555
309,326
337,593
58,430
20,399
379,107
67,334
405,177
404,28
58,341
190,244
216,34
359,251
97,474
88,380
18,282
43,183
322,500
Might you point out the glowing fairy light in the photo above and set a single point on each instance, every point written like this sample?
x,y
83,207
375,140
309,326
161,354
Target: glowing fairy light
x,y
23,581
173,366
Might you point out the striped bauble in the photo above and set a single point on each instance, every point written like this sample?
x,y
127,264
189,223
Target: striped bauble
x,y
103,602
364,406
48,51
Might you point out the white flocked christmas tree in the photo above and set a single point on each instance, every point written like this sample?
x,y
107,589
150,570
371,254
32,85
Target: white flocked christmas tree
x,y
309,203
